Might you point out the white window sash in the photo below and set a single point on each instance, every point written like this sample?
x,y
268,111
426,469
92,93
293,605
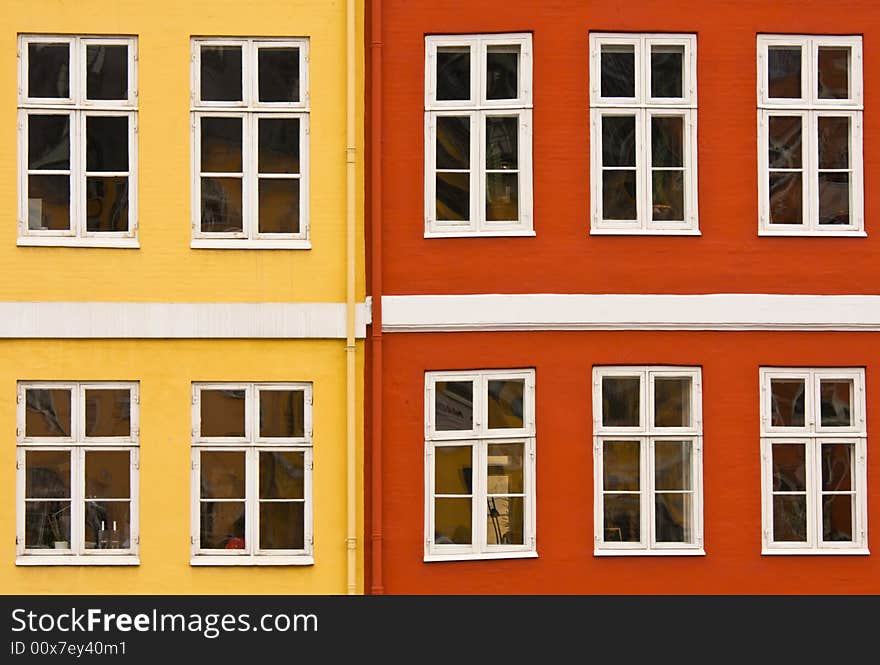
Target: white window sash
x,y
197,414
131,98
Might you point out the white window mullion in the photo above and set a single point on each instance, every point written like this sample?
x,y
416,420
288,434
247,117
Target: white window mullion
x,y
20,475
134,500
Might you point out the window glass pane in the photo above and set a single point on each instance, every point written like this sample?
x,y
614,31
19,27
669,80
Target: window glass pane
x,y
667,143
836,398
837,467
667,71
833,77
222,474
107,525
47,524
673,517
282,413
790,518
833,142
279,145
506,403
279,205
282,474
453,142
282,525
621,518
48,142
49,202
107,204
620,401
453,196
786,141
453,470
49,70
502,72
834,196
221,73
837,518
278,72
222,525
672,465
672,401
221,205
620,466
453,72
221,145
786,198
667,195
222,412
505,464
108,474
453,405
47,412
502,197
502,134
47,474
505,517
784,71
619,194
106,71
108,412
452,521
787,402
789,467
618,74
618,140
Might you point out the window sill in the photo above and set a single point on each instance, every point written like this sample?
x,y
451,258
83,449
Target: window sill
x,y
645,232
855,551
251,560
77,560
481,556
245,243
798,233
480,234
640,552
71,241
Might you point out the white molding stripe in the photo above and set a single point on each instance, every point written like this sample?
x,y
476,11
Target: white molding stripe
x,y
716,311
119,320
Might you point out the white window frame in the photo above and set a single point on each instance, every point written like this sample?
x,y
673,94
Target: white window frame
x,y
77,108
643,106
813,435
478,439
77,444
251,445
810,108
250,109
478,108
646,433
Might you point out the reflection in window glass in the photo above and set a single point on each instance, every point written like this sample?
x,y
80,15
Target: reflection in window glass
x,y
282,413
784,71
47,412
787,402
221,73
667,71
222,412
108,412
672,402
618,76
453,73
621,399
454,405
502,72
833,79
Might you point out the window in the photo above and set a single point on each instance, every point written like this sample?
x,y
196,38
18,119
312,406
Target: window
x,y
478,137
252,474
479,464
647,446
250,124
810,135
77,473
643,133
813,461
77,129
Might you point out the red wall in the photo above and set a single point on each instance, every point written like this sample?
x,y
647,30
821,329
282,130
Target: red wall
x,y
563,258
564,463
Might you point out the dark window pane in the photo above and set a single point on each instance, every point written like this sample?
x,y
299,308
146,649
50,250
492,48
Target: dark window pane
x,y
833,142
453,142
667,144
221,73
453,72
618,194
502,72
47,525
453,196
618,71
505,466
667,189
786,198
505,517
833,72
834,198
47,474
222,474
282,475
667,71
107,204
837,467
621,465
621,518
506,403
108,412
107,525
47,412
452,521
106,72
786,142
278,72
222,412
789,467
502,196
502,136
221,145
222,525
784,71
279,205
672,465
49,202
279,145
108,474
787,402
673,518
49,70
837,518
453,470
618,140
453,405
282,525
620,401
836,402
106,143
790,518
48,142
221,205
282,413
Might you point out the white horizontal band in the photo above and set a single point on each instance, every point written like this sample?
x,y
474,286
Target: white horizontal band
x,y
717,311
118,320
